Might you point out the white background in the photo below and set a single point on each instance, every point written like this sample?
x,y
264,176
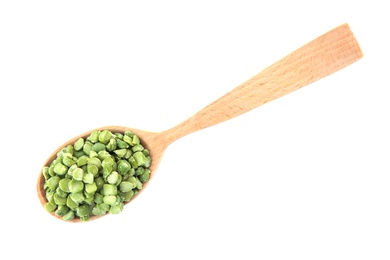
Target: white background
x,y
306,176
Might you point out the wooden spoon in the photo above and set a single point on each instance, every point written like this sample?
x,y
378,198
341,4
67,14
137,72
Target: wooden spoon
x,y
319,58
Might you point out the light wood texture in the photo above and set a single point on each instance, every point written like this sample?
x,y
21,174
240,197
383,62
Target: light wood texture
x,y
319,58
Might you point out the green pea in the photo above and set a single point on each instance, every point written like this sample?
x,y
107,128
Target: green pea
x,y
136,140
89,200
122,144
59,200
113,177
126,186
52,182
98,211
99,182
68,161
88,178
60,169
98,198
123,167
116,209
69,149
75,186
140,158
49,195
71,203
87,147
120,152
60,192
78,154
77,197
68,216
97,147
45,172
112,144
144,177
50,207
137,148
62,210
94,136
103,155
128,195
92,169
95,161
78,145
109,189
105,136
109,199
82,160
78,174
91,188
93,154
83,210
51,170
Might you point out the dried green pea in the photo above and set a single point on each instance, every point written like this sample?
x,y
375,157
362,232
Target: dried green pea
x,y
116,209
68,161
78,174
87,147
45,172
97,147
93,154
78,154
145,176
137,148
105,136
92,169
50,207
94,136
60,192
140,158
109,189
103,155
98,198
112,178
60,169
123,167
126,186
99,182
82,160
77,197
59,200
128,140
51,170
71,203
109,199
69,215
52,182
89,200
83,210
112,144
75,186
78,145
120,152
61,210
136,140
91,188
88,178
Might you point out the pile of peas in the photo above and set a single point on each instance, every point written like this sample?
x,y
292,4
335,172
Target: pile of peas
x,y
96,175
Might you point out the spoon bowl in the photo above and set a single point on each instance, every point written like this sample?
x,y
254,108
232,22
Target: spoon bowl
x,y
317,59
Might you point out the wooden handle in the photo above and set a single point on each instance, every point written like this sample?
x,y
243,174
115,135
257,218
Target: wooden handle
x,y
324,55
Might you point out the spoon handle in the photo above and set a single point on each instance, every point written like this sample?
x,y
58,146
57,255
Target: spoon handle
x,y
319,58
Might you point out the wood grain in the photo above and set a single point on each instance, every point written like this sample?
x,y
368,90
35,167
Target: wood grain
x,y
317,59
